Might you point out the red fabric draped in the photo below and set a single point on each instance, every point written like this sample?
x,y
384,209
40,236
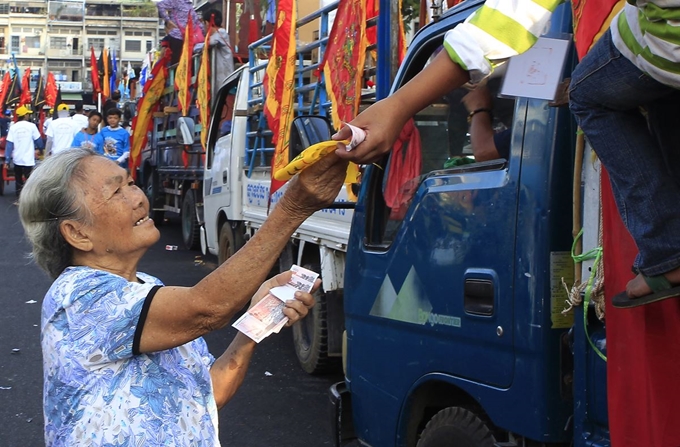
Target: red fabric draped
x,y
405,165
343,62
643,353
591,20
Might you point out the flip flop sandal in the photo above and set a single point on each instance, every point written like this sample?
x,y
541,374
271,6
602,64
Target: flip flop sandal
x,y
661,290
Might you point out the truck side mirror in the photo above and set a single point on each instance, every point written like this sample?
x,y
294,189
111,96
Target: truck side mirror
x,y
185,131
306,131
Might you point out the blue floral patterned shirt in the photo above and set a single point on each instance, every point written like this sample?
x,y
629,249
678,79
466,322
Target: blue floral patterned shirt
x,y
99,390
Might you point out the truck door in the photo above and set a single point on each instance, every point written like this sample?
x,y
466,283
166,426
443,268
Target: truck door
x,y
437,254
217,181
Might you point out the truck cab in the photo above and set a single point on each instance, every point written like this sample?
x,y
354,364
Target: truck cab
x,y
454,330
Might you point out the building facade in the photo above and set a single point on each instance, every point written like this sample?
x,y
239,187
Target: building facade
x,y
56,36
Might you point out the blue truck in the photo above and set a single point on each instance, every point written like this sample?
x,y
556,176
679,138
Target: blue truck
x,y
454,331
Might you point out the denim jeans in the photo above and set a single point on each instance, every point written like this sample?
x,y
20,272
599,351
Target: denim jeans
x,y
641,154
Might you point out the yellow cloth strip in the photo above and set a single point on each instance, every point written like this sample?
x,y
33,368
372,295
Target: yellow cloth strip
x,y
310,156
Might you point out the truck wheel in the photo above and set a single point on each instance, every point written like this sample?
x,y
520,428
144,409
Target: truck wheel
x,y
191,230
149,179
455,426
229,241
310,337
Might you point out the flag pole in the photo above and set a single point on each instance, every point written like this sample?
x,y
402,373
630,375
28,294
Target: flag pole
x,y
99,102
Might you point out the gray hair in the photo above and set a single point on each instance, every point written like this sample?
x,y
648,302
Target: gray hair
x,y
47,198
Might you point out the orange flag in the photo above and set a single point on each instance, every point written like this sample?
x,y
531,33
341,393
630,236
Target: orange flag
x,y
203,89
279,86
591,20
147,104
106,91
343,63
183,70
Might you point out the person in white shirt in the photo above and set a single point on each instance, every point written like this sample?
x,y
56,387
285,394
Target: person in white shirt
x,y
80,118
22,139
48,120
61,131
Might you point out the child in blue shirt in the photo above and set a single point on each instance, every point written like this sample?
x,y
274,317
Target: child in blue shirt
x,y
113,141
86,138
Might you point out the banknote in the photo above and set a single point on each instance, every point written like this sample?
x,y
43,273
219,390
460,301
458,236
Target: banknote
x,y
267,317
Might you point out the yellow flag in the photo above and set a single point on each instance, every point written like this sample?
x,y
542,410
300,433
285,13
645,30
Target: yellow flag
x,y
203,91
183,71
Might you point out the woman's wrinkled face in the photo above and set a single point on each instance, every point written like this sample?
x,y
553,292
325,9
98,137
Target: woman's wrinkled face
x,y
120,223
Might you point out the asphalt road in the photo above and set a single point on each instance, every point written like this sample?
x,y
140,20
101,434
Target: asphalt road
x,y
278,404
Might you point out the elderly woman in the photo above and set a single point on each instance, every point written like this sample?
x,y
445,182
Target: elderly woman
x,y
124,361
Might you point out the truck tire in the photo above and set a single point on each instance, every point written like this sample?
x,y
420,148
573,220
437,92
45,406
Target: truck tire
x,y
150,176
191,230
456,427
229,241
310,337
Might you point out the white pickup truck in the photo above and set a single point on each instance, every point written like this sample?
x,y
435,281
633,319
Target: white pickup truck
x,y
236,185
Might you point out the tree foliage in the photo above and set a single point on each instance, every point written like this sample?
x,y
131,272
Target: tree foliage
x,y
410,10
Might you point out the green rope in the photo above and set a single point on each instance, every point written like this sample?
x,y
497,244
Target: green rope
x,y
595,253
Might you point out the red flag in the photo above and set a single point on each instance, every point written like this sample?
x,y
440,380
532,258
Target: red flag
x,y
343,63
279,86
372,7
183,70
96,87
51,90
147,104
4,88
25,98
372,11
591,20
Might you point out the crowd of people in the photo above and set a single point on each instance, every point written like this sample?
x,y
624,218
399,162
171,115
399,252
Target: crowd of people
x,y
25,145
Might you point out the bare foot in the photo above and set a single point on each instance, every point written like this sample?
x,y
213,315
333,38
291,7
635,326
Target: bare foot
x,y
637,286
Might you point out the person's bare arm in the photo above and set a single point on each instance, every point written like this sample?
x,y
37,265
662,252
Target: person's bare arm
x,y
229,370
384,120
481,124
180,314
